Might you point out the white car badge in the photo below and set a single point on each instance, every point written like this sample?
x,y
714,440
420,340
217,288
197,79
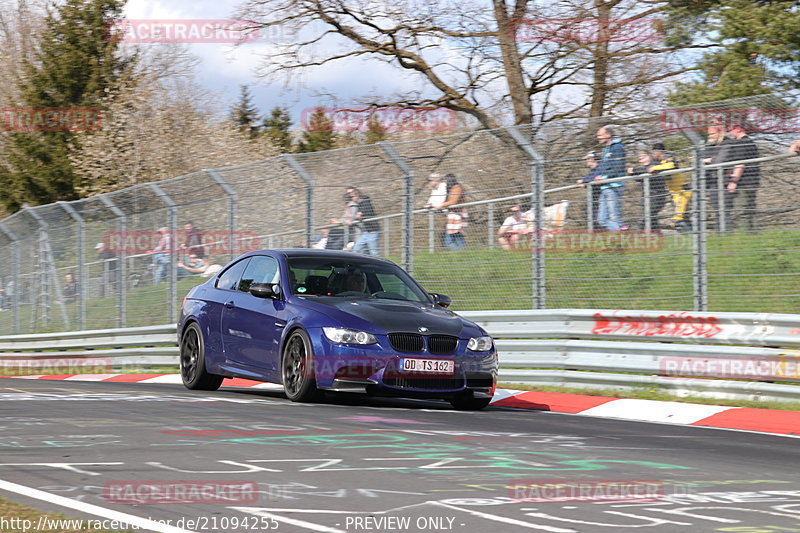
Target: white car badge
x,y
423,330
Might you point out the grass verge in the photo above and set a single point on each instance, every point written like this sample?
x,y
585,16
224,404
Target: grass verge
x,y
20,518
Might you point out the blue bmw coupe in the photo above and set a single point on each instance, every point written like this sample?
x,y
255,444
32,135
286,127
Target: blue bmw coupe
x,y
316,320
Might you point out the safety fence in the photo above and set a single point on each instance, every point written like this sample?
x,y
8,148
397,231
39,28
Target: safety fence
x,y
688,243
714,355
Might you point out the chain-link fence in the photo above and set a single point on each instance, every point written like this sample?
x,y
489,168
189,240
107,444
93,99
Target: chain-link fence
x,y
522,233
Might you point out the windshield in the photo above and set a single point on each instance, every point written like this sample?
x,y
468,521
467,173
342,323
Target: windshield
x,y
352,278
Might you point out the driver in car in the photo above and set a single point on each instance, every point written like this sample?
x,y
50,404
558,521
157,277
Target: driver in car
x,y
356,282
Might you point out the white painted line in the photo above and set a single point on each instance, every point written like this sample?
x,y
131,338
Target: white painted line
x,y
90,377
502,394
505,519
655,411
96,510
173,379
270,386
291,521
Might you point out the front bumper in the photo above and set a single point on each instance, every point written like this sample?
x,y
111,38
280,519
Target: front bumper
x,y
375,369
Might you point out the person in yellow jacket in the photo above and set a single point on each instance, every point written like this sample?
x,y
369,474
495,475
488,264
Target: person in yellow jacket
x,y
677,184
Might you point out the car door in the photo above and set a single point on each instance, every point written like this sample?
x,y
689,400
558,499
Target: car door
x,y
215,298
252,326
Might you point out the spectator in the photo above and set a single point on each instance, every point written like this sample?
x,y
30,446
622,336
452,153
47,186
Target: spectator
x,y
370,235
513,227
716,151
678,185
336,237
161,253
745,178
658,189
110,268
453,236
446,191
194,265
70,290
612,165
323,241
194,241
351,227
592,160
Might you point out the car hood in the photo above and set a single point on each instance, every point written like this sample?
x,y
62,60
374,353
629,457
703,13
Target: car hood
x,y
392,315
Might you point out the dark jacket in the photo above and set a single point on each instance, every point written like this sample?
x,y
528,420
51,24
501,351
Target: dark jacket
x,y
367,211
657,184
745,148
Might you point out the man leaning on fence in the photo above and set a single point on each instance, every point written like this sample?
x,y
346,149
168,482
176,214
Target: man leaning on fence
x,y
657,198
592,161
746,177
368,240
612,165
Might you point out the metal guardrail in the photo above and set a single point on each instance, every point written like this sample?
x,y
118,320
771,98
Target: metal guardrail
x,y
580,348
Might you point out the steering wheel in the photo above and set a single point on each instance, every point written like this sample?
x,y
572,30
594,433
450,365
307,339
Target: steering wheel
x,y
351,293
388,295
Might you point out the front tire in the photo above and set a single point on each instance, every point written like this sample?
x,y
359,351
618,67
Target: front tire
x,y
297,369
193,361
467,402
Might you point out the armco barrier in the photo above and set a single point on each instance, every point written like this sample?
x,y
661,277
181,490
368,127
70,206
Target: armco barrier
x,y
619,349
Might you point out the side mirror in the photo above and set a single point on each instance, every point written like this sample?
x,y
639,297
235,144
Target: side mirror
x,y
266,290
441,299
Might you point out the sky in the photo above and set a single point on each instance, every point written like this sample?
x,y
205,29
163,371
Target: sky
x,y
223,68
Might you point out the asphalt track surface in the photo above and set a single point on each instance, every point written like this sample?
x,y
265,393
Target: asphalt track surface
x,y
363,464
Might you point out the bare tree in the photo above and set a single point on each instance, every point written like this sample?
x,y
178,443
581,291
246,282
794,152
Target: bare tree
x,y
514,55
160,126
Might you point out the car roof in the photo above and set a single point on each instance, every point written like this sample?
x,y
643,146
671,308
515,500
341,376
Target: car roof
x,y
308,252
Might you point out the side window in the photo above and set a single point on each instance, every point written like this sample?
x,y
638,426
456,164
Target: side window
x,y
230,278
262,269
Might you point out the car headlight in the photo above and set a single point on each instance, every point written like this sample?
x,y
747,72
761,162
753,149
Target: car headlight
x,y
480,344
349,336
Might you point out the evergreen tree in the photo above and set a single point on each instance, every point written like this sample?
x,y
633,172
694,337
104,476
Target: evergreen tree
x,y
375,130
244,114
758,52
77,65
319,134
276,127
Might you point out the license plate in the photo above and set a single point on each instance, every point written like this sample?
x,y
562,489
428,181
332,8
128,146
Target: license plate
x,y
433,366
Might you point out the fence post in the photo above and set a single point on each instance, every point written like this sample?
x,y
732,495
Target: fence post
x,y
721,215
122,281
14,273
408,205
537,188
490,225
233,204
699,233
173,230
82,277
309,181
590,207
49,264
646,199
